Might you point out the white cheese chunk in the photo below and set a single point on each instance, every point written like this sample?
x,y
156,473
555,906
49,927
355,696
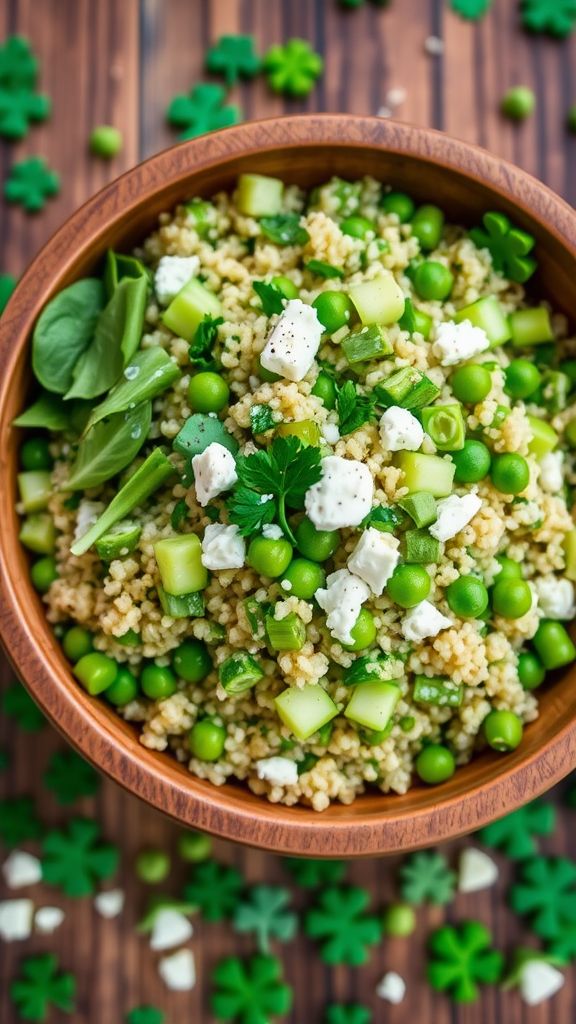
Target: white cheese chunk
x,y
178,971
392,988
171,928
172,273
280,771
342,599
330,433
16,919
555,597
48,919
293,341
109,904
454,513
20,869
539,981
422,621
343,495
272,531
86,515
455,343
551,472
214,472
223,547
476,870
374,558
400,430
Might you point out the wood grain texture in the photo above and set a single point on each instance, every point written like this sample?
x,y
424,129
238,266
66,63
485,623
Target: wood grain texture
x,y
121,63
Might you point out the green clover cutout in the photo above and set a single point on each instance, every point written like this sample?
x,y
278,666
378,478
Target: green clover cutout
x,y
7,286
233,57
18,65
461,958
556,17
215,889
309,873
292,69
145,1015
471,9
265,913
31,183
563,946
201,111
508,246
69,777
18,705
425,877
338,921
19,822
514,834
18,107
74,860
353,1013
250,991
546,893
40,986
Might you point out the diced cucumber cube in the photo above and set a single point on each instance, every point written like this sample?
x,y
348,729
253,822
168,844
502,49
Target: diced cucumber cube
x,y
120,541
427,473
544,437
259,196
240,672
370,342
407,387
372,704
199,431
570,554
379,301
530,327
38,534
180,564
421,507
35,488
185,606
187,309
305,709
488,314
306,430
420,548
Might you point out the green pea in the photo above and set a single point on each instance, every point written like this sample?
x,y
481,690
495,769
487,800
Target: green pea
x,y
157,682
408,585
433,281
96,672
522,378
152,866
304,577
400,204
206,740
124,689
333,309
363,632
511,598
357,227
194,847
518,103
319,545
407,723
286,286
399,920
435,763
105,141
269,557
472,462
35,454
128,639
510,473
531,671
191,661
509,569
208,392
471,384
325,389
502,730
467,597
553,644
427,225
264,374
77,642
43,573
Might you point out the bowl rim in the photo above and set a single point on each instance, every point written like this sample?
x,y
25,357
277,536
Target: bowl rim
x,y
157,778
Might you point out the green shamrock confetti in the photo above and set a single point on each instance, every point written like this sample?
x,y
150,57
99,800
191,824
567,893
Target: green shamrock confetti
x,y
344,930
265,913
18,705
69,777
292,69
215,889
562,948
508,246
360,3
18,65
471,9
18,821
40,986
425,877
233,57
74,860
31,183
7,286
556,17
18,107
202,111
515,833
546,893
250,991
145,1015
351,1014
461,958
309,873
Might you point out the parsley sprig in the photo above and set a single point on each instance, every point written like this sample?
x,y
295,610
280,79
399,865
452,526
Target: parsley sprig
x,y
200,352
270,482
354,409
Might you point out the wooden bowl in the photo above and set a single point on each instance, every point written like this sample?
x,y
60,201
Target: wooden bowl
x,y
466,182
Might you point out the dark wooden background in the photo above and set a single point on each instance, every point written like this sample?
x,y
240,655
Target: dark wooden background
x,y
120,62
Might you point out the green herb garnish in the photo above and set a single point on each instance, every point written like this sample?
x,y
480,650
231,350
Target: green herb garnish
x,y
201,348
284,229
270,296
354,409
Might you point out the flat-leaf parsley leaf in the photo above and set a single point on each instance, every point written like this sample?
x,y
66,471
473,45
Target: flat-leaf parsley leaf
x,y
200,351
270,296
354,409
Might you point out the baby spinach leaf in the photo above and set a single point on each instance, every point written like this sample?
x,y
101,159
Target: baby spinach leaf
x,y
149,373
115,341
109,447
118,265
63,332
50,412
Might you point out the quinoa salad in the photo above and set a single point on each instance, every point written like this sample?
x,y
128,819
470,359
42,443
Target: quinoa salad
x,y
297,485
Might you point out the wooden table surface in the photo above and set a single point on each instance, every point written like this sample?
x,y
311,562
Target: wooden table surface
x,y
120,62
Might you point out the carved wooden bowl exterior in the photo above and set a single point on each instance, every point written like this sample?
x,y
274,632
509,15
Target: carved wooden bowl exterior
x,y
466,182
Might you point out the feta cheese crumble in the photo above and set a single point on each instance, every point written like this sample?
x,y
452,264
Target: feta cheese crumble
x,y
539,981
178,971
374,558
342,600
21,869
343,495
223,547
48,919
16,919
454,343
172,273
423,621
272,531
392,988
109,904
400,430
280,771
555,597
293,341
454,513
330,433
214,472
476,870
551,472
171,928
